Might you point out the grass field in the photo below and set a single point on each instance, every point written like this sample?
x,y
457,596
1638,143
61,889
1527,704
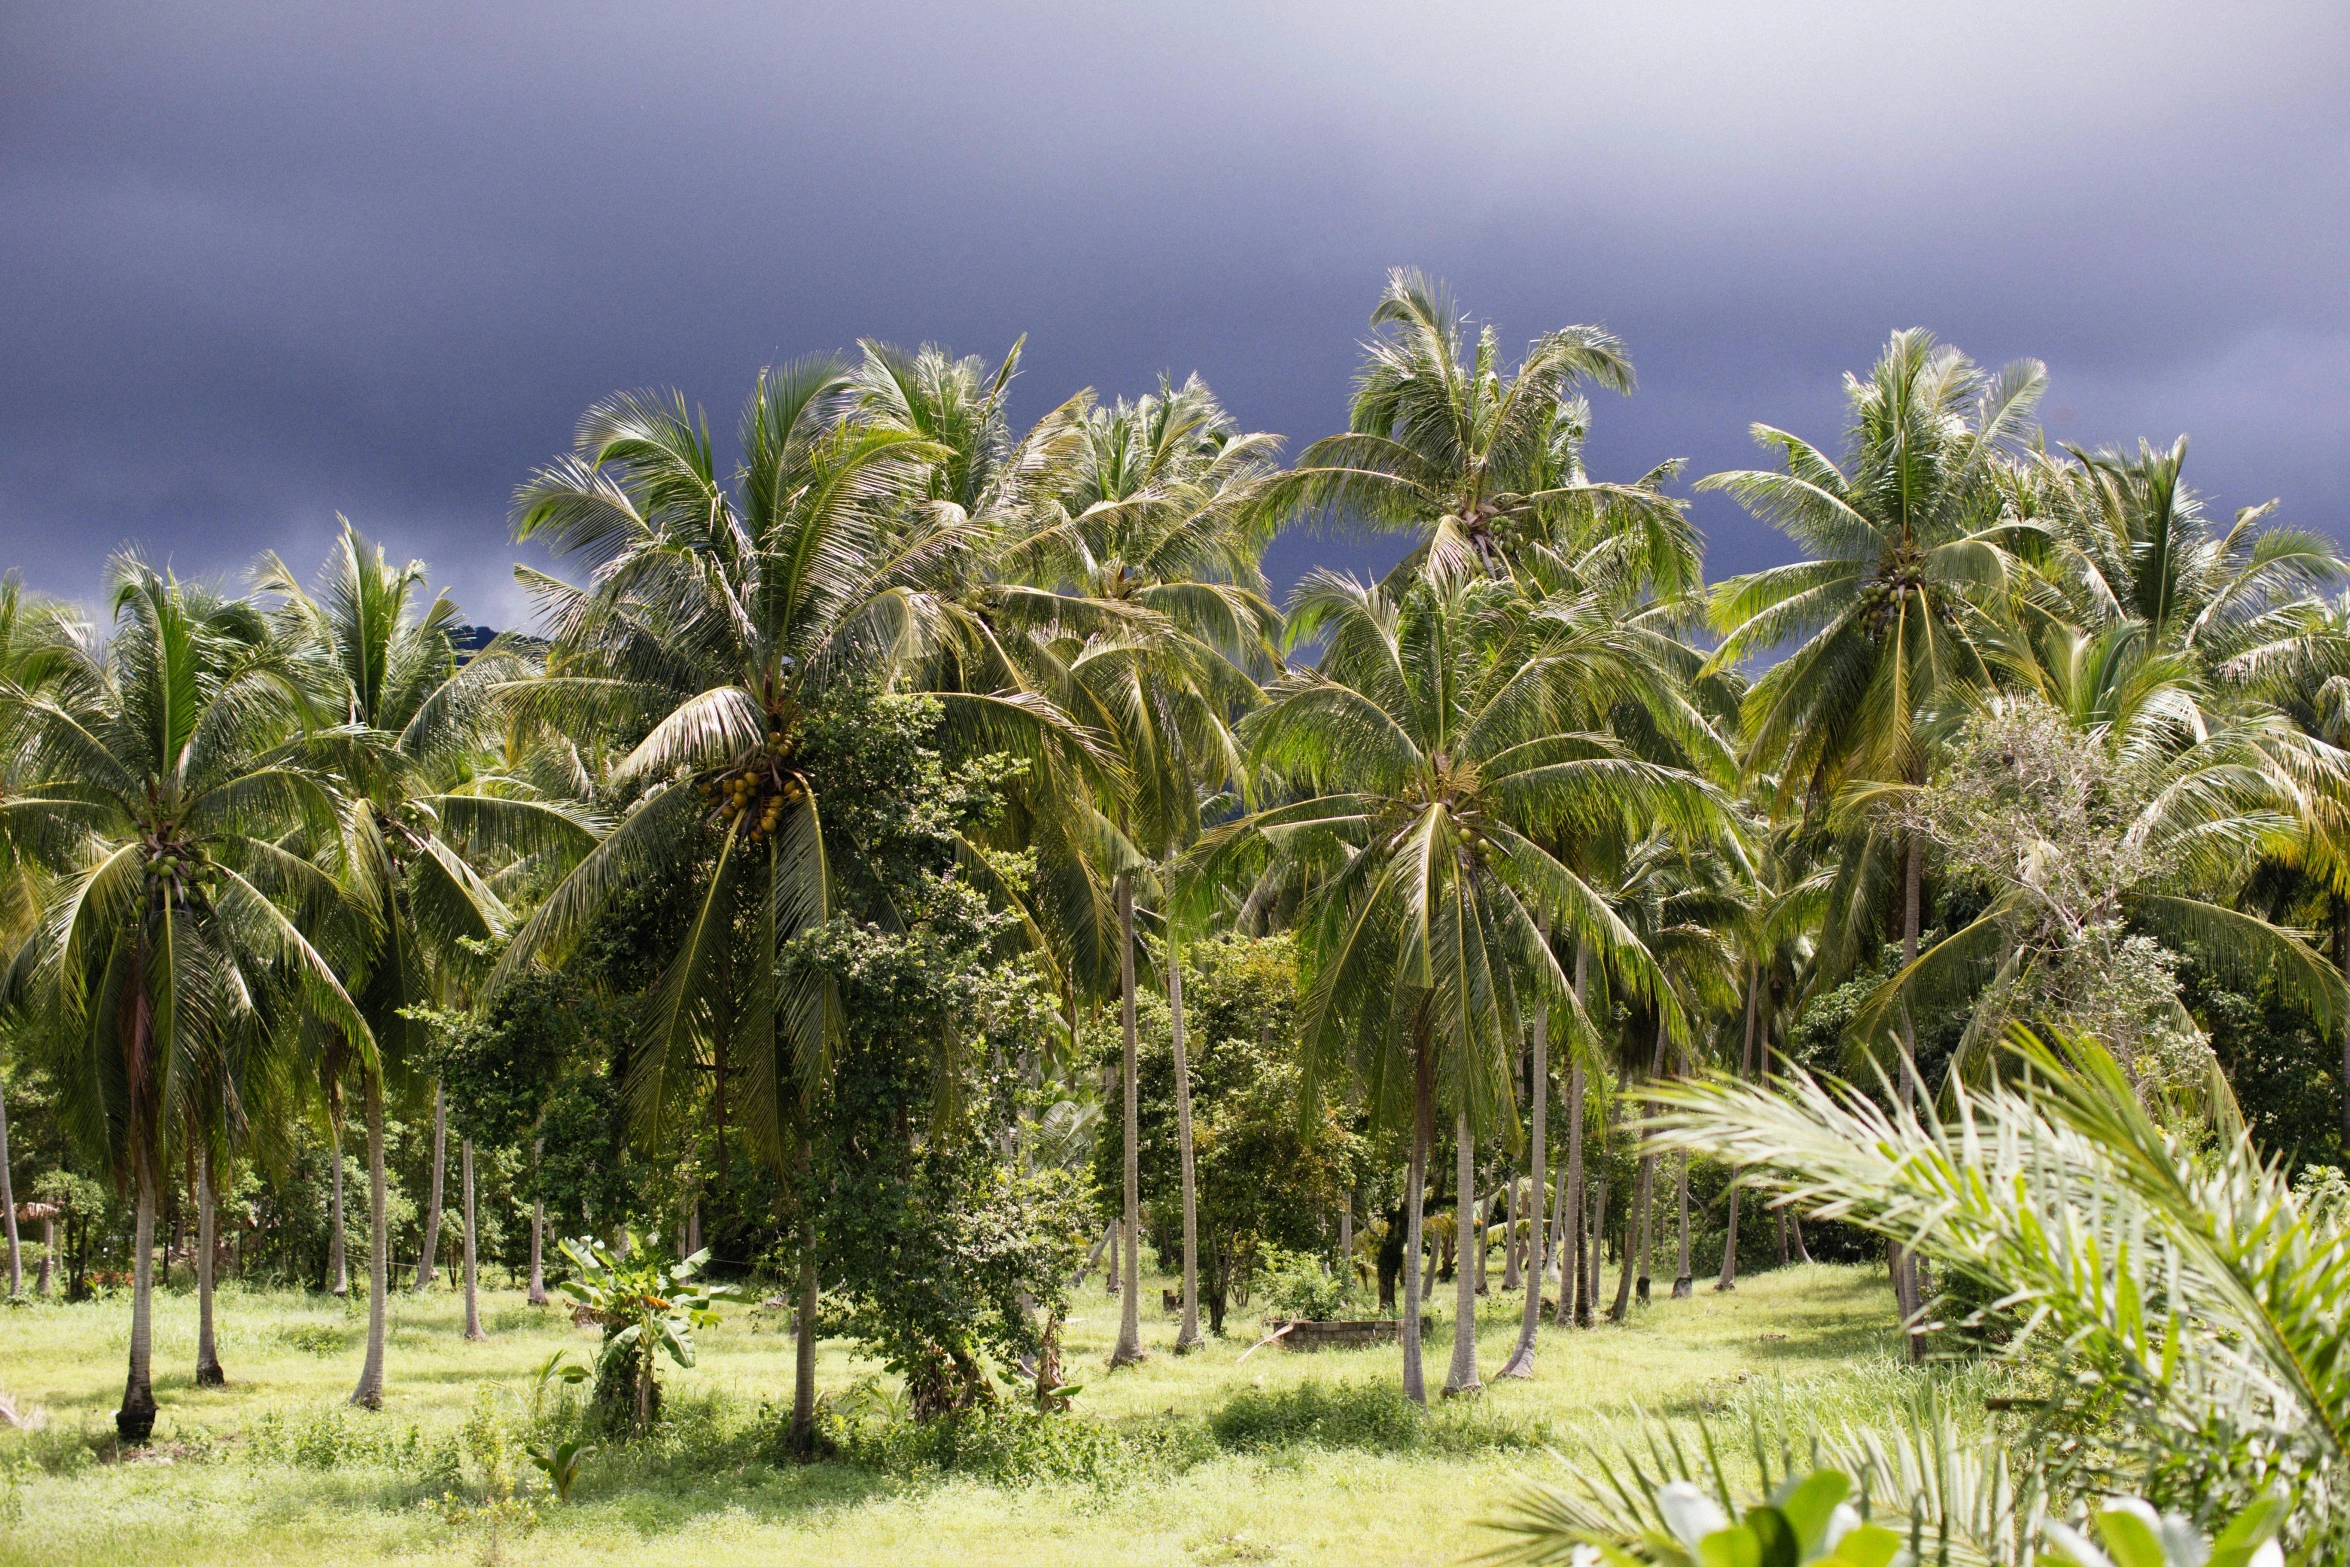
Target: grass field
x,y
273,1469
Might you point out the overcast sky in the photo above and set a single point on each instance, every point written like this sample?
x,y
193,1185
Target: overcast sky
x,y
260,264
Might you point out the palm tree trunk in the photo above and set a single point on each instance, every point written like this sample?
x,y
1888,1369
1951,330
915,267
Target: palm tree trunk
x,y
1598,1229
338,1266
1795,1223
208,1372
8,1206
1462,1377
440,1164
1521,1361
1415,1183
800,1439
1622,1306
1683,1281
538,1228
369,1394
1346,1239
1910,1281
1187,1337
2341,961
135,1421
1729,1278
1646,1200
472,1275
46,1281
1129,1347
1575,1287
1513,1274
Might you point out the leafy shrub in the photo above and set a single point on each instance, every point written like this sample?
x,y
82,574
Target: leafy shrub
x,y
1016,1446
315,1338
1295,1285
1372,1415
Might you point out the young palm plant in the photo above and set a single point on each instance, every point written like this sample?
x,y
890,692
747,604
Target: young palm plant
x,y
2187,1300
158,785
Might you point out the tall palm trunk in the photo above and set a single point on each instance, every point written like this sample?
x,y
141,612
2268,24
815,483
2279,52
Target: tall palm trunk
x,y
369,1394
338,1265
45,1283
8,1206
1187,1338
1729,1278
440,1165
2341,961
1513,1275
1795,1223
208,1371
1462,1376
1521,1361
1645,1200
1683,1281
1415,1191
135,1421
1129,1347
1598,1244
1575,1288
472,1276
1909,1281
800,1439
538,1228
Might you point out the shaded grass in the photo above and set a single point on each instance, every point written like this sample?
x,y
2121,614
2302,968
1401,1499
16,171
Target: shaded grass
x,y
1203,1458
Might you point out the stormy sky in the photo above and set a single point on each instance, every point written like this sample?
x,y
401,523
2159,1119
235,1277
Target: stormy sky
x,y
260,264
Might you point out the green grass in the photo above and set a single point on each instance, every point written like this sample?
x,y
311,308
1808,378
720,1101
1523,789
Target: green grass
x,y
1312,1477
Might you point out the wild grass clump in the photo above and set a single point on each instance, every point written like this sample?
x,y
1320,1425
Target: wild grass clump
x,y
1014,1446
1365,1417
339,1439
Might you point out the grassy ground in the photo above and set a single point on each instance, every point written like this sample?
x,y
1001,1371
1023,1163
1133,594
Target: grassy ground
x,y
272,1469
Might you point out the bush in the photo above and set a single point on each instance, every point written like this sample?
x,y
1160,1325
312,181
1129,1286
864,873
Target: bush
x,y
1297,1286
1011,1446
1368,1415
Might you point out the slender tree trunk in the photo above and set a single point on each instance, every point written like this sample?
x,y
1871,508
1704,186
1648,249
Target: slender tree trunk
x,y
1646,1200
1346,1240
47,1280
472,1269
1683,1280
800,1439
1187,1338
1521,1361
1415,1386
440,1163
1513,1274
1795,1223
135,1421
1462,1376
369,1394
1729,1278
1622,1306
538,1227
1910,1277
208,1372
1598,1231
1129,1347
1575,1281
2341,961
338,1265
8,1205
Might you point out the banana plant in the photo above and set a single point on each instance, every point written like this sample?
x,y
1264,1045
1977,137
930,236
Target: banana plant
x,y
647,1305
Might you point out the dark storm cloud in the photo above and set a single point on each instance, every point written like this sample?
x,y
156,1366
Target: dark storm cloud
x,y
260,264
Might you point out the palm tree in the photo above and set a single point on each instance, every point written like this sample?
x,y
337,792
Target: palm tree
x,y
419,827
1153,529
158,785
1905,584
1481,467
717,614
1431,754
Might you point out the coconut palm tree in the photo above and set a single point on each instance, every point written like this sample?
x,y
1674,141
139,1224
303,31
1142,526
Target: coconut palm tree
x,y
159,785
1478,465
717,613
1431,755
420,831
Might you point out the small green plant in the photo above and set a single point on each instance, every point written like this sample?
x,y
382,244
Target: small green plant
x,y
1297,1285
315,1338
647,1305
2133,1534
560,1463
1369,1415
555,1368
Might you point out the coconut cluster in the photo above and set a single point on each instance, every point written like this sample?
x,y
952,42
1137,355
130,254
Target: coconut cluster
x,y
756,792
